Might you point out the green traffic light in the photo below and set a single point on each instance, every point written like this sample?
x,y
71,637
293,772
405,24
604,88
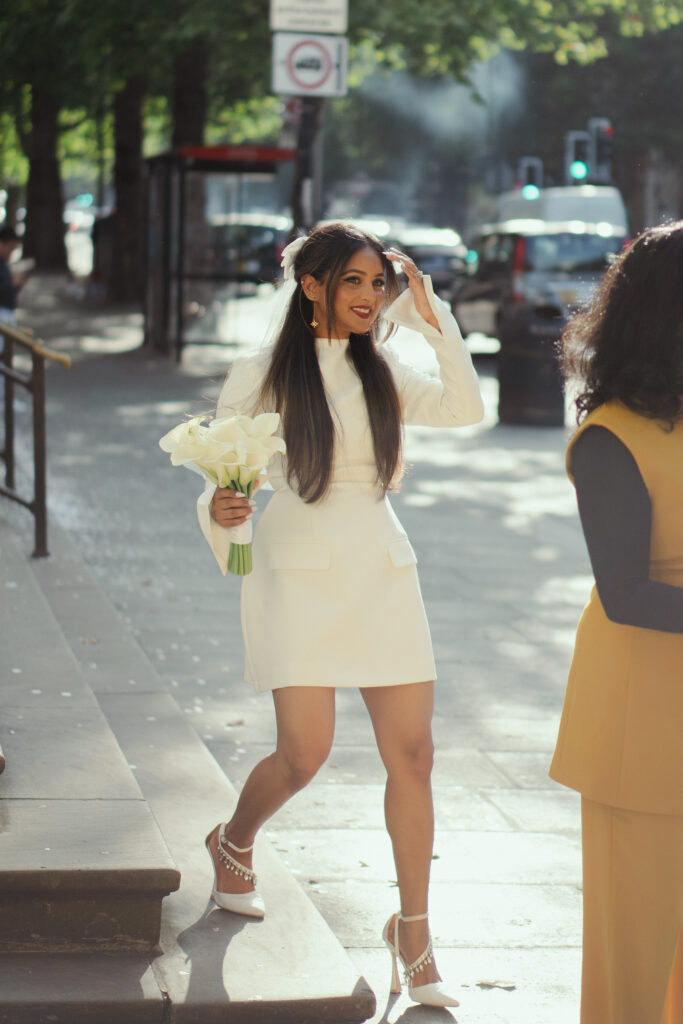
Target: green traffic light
x,y
578,170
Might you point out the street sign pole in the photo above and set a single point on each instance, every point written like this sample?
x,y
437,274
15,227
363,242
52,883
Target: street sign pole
x,y
309,61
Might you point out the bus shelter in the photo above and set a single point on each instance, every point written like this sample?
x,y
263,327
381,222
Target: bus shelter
x,y
203,245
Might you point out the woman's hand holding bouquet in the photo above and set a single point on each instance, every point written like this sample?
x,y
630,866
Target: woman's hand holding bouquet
x,y
231,452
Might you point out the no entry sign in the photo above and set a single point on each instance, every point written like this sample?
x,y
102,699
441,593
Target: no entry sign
x,y
309,65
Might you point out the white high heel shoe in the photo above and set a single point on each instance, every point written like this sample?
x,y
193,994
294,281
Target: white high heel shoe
x,y
431,994
248,903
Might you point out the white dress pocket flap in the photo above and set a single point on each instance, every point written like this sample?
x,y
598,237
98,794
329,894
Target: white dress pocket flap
x,y
401,553
299,555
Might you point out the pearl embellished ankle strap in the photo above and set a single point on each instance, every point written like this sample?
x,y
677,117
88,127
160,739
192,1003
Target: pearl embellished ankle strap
x,y
229,860
426,957
238,849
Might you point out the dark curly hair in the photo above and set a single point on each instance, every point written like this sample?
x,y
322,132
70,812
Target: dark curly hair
x,y
628,344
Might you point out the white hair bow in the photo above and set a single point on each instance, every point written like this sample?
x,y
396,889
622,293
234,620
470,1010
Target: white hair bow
x,y
289,255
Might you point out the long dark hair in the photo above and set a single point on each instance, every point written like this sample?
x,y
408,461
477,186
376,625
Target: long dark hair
x,y
628,344
294,383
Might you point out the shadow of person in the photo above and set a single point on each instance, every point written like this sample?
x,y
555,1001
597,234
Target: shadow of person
x,y
205,945
415,1013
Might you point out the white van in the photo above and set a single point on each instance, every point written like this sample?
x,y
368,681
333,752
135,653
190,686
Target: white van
x,y
592,204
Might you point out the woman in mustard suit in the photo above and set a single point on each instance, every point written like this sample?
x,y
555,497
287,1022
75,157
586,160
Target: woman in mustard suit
x,y
620,742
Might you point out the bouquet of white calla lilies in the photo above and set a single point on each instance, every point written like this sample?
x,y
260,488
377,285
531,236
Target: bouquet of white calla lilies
x,y
231,451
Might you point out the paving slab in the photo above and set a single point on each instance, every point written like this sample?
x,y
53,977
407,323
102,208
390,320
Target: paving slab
x,y
546,985
109,657
488,732
27,651
504,857
550,810
470,767
463,915
323,805
63,753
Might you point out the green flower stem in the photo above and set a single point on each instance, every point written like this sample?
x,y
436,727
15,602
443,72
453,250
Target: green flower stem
x,y
239,559
239,556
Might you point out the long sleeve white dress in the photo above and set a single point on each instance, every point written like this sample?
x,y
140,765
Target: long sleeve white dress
x,y
334,598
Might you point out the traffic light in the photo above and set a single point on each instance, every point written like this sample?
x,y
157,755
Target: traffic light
x,y
577,157
579,166
602,142
530,176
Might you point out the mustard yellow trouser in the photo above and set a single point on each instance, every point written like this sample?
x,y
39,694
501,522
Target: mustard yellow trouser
x,y
632,917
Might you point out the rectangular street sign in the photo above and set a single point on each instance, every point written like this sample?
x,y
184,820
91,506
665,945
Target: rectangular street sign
x,y
309,16
309,65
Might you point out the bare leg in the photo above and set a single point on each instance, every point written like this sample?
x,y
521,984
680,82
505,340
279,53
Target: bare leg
x,y
401,717
305,729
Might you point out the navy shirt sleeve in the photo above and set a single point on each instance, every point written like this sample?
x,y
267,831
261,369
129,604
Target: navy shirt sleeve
x,y
616,516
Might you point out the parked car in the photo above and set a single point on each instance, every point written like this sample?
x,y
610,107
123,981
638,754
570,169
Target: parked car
x,y
540,269
439,252
248,246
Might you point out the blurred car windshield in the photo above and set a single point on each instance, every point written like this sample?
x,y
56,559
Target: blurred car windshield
x,y
569,252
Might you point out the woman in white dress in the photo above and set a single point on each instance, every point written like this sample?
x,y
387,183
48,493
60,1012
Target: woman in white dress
x,y
333,598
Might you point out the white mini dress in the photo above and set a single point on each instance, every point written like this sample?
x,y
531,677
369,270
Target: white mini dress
x,y
334,598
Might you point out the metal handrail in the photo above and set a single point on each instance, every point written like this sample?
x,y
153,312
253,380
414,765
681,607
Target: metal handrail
x,y
34,383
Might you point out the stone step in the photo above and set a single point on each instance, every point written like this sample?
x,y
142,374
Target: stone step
x,y
75,989
79,876
288,968
83,865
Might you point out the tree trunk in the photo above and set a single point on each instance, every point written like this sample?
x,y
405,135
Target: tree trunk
x,y
44,238
189,99
126,283
190,105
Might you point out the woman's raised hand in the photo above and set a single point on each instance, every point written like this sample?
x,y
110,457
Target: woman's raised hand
x,y
415,284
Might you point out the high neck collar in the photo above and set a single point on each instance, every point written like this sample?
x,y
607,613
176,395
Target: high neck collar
x,y
323,343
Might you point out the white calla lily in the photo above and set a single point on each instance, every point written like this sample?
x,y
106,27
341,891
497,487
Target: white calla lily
x,y
264,424
231,451
228,429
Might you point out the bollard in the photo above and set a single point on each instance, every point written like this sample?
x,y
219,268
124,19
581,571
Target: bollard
x,y
530,385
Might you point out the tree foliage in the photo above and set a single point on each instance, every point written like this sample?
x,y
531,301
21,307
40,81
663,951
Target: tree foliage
x,y
82,55
444,37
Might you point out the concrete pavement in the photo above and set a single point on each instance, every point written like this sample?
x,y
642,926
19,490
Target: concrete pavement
x,y
504,576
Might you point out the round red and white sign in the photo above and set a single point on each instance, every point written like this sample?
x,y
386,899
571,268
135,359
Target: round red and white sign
x,y
309,64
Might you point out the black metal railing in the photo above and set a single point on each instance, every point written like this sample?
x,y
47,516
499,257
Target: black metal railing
x,y
34,383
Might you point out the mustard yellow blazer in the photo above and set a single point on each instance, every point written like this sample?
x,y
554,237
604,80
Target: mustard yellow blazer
x,y
621,734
